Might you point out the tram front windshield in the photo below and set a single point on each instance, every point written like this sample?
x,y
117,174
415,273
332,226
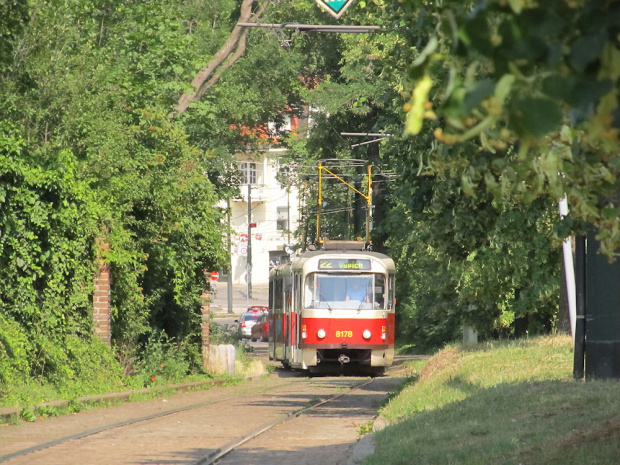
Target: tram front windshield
x,y
350,291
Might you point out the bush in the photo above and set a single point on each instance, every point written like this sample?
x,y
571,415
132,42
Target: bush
x,y
93,366
14,349
221,334
162,360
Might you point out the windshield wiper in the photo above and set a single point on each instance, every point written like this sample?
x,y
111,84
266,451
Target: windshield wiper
x,y
362,302
324,300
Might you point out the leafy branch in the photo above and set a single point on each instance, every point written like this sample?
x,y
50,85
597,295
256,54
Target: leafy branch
x,y
226,56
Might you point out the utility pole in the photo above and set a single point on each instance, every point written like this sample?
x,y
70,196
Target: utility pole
x,y
319,205
230,278
372,148
304,215
249,257
288,205
288,215
367,197
349,214
368,203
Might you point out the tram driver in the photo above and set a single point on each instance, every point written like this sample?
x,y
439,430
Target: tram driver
x,y
356,291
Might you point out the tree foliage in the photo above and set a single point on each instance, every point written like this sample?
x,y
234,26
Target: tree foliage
x,y
89,154
46,251
487,256
536,85
514,104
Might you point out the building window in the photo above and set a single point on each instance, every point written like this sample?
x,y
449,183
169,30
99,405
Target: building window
x,y
248,169
282,219
280,124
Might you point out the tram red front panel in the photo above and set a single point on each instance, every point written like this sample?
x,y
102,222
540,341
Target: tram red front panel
x,y
347,330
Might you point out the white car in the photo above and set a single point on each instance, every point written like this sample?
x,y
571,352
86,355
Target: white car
x,y
246,322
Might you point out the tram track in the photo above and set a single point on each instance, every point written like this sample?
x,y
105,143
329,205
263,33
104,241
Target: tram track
x,y
105,428
123,423
216,455
276,393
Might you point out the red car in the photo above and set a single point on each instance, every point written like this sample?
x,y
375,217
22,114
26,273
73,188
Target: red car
x,y
260,330
258,308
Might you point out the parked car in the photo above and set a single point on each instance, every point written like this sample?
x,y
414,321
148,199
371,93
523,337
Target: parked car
x,y
247,320
260,330
258,308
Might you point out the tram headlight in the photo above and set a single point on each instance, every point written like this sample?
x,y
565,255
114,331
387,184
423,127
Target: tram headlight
x,y
321,334
366,334
383,332
303,332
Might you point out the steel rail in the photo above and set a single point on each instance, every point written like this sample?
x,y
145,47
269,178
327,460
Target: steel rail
x,y
90,432
212,456
217,454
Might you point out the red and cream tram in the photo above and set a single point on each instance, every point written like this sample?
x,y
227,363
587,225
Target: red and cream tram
x,y
333,308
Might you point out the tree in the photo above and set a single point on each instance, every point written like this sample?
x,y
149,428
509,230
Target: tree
x,y
226,56
90,86
479,257
13,18
537,86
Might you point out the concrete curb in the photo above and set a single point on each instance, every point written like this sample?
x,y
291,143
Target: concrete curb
x,y
364,447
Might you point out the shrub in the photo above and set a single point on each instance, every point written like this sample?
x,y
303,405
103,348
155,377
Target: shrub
x,y
14,349
162,360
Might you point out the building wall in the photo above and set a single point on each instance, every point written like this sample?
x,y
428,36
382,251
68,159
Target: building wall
x,y
267,242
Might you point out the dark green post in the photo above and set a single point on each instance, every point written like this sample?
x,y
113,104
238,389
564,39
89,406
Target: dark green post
x,y
602,313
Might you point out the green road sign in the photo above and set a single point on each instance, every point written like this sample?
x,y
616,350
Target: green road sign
x,y
335,7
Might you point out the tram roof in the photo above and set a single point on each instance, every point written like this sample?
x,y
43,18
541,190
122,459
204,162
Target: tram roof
x,y
286,269
297,261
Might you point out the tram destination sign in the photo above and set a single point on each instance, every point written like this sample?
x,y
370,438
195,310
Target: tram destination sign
x,y
344,264
336,8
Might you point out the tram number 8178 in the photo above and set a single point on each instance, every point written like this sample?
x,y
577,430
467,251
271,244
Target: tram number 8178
x,y
344,333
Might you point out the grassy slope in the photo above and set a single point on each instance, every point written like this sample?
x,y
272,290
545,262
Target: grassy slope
x,y
508,403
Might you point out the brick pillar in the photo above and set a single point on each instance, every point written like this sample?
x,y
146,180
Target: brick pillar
x,y
101,299
206,316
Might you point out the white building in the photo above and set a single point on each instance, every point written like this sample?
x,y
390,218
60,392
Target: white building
x,y
274,212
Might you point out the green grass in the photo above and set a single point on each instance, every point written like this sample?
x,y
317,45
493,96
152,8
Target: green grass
x,y
504,403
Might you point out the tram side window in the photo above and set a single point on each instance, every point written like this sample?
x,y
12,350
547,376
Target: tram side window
x,y
297,291
380,291
288,293
271,291
309,291
392,291
278,303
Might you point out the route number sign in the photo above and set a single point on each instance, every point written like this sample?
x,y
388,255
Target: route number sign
x,y
335,7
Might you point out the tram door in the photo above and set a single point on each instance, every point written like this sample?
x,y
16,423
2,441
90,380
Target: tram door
x,y
295,318
277,323
288,315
